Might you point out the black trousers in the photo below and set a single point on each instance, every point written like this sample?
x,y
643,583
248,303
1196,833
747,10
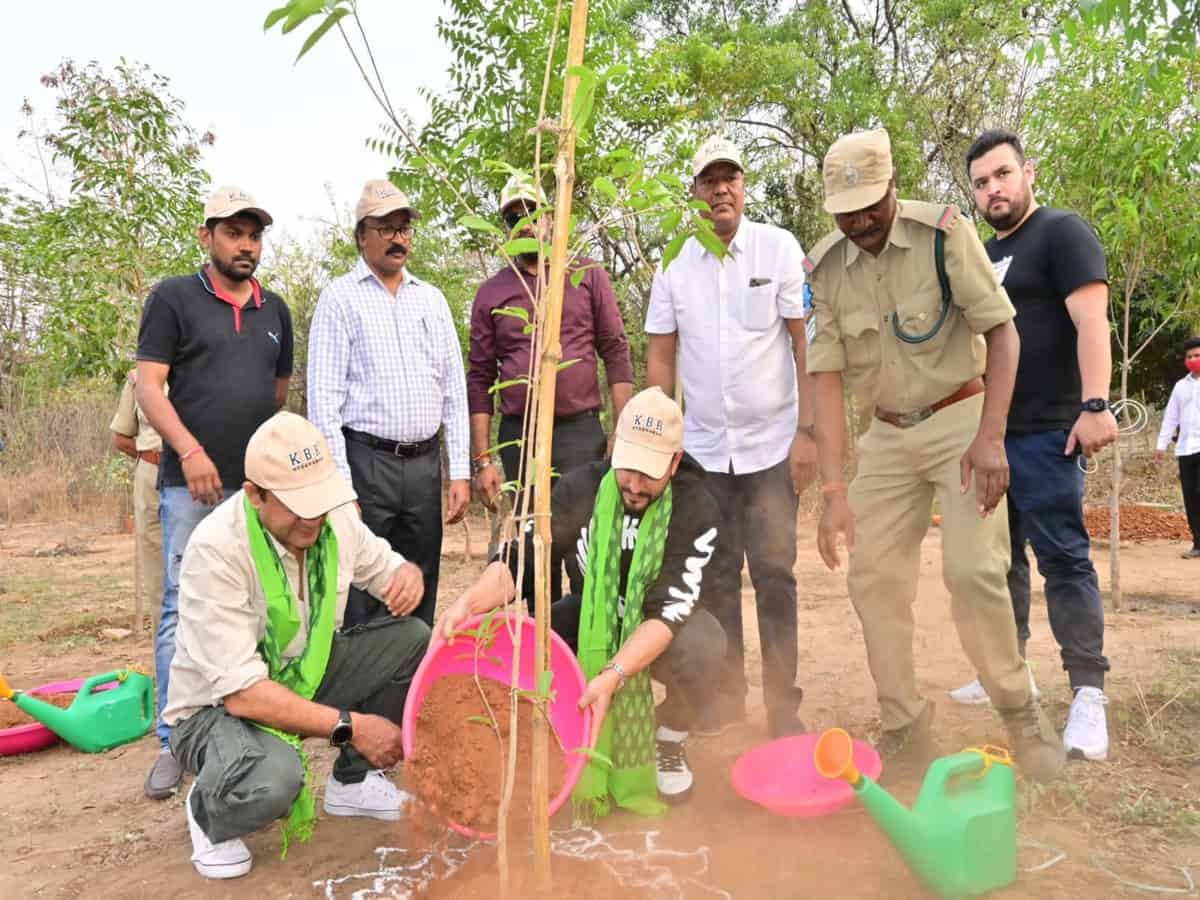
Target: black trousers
x,y
578,440
685,668
1189,480
758,525
401,500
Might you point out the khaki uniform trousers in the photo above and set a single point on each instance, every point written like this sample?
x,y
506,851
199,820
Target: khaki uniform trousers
x,y
899,472
148,558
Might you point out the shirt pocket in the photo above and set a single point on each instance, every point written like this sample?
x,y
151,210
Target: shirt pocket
x,y
917,315
860,338
757,308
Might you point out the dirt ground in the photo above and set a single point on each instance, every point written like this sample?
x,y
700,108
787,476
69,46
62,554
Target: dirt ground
x,y
74,825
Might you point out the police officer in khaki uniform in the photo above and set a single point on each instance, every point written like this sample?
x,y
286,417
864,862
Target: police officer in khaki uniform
x,y
133,435
908,311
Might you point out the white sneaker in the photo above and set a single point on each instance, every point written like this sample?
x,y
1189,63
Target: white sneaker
x,y
1086,734
228,859
973,694
375,797
672,773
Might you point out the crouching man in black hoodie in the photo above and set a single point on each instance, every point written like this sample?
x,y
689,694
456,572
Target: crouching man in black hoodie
x,y
644,530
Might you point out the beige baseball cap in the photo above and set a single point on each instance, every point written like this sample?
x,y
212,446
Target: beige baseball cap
x,y
716,149
649,433
229,200
379,198
288,456
521,187
857,171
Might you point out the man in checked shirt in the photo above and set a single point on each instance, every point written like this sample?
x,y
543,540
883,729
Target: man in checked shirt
x,y
385,375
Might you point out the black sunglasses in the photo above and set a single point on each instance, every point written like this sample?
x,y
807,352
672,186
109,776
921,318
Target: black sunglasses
x,y
515,214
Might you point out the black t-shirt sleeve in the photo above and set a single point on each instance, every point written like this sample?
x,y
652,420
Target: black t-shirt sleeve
x,y
159,332
1078,258
687,558
283,365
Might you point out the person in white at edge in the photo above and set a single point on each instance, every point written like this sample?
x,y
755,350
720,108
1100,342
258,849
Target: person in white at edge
x,y
1183,415
258,563
385,376
738,326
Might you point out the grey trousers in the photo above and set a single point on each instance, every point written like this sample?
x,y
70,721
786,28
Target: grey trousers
x,y
246,778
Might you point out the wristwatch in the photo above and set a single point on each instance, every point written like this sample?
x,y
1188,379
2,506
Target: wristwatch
x,y
343,731
1094,405
479,463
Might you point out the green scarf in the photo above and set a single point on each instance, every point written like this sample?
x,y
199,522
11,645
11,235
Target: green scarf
x,y
303,674
627,735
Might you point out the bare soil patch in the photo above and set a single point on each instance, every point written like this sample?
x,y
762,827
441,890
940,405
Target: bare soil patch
x,y
459,753
76,825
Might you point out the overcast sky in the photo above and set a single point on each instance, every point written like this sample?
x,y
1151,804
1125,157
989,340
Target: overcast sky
x,y
283,131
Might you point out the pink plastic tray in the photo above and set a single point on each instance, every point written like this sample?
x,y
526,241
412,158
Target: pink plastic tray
x,y
36,736
572,725
781,777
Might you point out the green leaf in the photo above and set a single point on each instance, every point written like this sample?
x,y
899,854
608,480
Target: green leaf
x,y
544,684
594,755
300,11
320,31
699,205
274,16
481,720
512,382
585,97
567,363
518,246
498,447
478,223
606,187
709,241
517,312
672,249
670,220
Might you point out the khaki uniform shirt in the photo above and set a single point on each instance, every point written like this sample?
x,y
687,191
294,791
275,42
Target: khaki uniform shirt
x,y
856,297
130,421
223,610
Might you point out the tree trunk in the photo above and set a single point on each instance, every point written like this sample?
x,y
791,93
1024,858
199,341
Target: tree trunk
x,y
564,170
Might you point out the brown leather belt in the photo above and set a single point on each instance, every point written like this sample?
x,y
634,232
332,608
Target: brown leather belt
x,y
150,456
917,416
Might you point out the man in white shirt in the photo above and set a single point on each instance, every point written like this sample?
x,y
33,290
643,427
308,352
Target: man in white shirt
x,y
385,374
738,326
1183,414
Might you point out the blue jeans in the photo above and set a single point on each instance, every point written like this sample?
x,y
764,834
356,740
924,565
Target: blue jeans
x,y
1045,508
180,515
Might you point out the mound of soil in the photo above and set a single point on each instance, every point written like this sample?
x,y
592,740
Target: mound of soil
x,y
11,716
1138,523
456,763
577,879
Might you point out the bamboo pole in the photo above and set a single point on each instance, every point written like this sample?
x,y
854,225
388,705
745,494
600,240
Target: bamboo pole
x,y
564,171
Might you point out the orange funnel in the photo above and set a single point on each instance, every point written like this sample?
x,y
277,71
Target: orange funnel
x,y
833,756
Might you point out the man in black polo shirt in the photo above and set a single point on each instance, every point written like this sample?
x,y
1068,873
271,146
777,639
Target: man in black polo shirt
x,y
1053,268
224,345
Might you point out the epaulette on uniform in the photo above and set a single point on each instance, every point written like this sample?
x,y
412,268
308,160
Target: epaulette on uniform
x,y
823,246
935,215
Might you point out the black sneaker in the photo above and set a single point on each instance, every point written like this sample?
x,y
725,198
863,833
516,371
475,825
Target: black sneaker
x,y
673,775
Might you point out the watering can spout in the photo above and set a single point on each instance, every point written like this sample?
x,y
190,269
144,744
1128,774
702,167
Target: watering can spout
x,y
834,758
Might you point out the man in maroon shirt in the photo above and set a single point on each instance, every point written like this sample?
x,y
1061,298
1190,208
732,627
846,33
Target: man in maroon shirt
x,y
591,329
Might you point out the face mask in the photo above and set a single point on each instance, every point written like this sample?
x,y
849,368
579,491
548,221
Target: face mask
x,y
1193,366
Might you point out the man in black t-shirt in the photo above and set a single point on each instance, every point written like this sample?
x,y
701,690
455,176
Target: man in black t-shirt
x,y
679,641
1053,268
224,346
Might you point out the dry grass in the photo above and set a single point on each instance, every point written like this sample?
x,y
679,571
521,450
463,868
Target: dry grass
x,y
58,463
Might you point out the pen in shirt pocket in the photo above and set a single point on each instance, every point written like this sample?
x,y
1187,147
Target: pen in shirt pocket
x,y
759,282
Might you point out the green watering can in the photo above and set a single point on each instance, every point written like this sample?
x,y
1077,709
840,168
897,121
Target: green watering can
x,y
960,837
96,721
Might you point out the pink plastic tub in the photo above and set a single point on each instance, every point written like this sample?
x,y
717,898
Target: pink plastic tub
x,y
36,736
457,658
781,777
